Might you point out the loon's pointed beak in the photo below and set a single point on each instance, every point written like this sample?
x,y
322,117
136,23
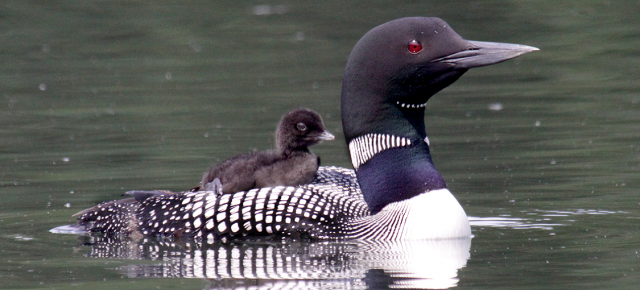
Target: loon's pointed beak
x,y
326,136
481,53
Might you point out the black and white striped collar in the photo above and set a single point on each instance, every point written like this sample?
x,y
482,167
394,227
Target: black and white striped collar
x,y
366,146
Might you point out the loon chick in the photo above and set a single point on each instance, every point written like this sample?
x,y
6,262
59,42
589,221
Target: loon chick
x,y
391,73
289,164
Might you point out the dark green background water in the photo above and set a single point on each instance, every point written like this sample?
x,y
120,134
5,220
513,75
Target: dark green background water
x,y
100,97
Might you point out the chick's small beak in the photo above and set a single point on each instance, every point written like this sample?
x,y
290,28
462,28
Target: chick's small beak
x,y
326,136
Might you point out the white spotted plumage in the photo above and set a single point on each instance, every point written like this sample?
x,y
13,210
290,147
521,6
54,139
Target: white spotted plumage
x,y
331,207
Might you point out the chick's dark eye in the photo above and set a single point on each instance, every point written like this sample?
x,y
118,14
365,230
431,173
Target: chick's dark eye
x,y
414,46
301,127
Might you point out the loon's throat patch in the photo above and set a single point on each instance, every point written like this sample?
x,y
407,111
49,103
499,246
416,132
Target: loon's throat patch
x,y
365,147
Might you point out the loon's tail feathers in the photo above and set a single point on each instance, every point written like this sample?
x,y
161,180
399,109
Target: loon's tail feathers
x,y
108,217
76,229
139,214
112,217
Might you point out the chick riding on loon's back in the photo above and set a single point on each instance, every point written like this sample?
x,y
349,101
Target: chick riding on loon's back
x,y
398,194
289,164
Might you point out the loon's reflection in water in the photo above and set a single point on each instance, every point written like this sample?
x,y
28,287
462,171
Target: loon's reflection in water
x,y
292,264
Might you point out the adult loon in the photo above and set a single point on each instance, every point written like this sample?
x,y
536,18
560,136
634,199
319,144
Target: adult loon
x,y
398,193
289,164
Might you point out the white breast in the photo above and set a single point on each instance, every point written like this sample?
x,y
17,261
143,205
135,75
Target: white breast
x,y
433,215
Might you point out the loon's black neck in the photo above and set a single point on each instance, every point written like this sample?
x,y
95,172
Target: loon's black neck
x,y
415,118
394,107
397,172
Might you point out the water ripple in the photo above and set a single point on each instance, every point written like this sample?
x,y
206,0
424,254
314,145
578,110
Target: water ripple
x,y
548,219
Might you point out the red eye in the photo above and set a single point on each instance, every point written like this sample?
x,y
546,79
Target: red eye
x,y
414,46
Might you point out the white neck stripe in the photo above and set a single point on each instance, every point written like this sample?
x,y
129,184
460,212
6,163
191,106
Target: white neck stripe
x,y
365,147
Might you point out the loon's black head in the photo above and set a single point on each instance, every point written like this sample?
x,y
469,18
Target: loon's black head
x,y
391,73
396,67
299,129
